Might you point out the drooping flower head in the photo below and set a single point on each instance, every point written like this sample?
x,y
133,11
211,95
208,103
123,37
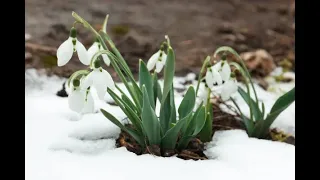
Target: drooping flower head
x,y
219,75
100,79
68,47
157,60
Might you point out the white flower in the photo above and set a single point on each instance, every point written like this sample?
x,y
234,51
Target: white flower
x,y
224,70
157,61
80,100
66,49
213,77
229,88
100,79
96,46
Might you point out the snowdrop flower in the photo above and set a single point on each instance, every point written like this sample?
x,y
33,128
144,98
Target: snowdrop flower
x,y
224,70
100,79
213,77
80,99
96,46
66,49
229,88
157,60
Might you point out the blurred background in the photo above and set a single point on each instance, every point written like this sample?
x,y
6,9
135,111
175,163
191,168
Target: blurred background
x,y
263,31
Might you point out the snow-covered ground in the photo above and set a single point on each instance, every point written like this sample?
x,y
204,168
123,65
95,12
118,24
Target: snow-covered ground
x,y
61,145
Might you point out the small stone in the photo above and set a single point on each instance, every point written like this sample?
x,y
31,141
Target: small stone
x,y
27,37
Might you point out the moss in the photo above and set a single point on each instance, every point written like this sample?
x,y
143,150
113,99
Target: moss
x,y
120,30
286,65
49,61
279,136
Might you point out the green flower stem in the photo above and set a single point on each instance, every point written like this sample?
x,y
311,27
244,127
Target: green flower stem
x,y
243,73
201,72
77,74
208,100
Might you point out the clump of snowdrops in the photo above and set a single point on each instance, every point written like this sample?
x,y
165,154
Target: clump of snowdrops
x,y
175,126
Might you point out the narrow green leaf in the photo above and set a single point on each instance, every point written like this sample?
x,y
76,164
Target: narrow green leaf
x,y
205,134
146,79
168,73
165,114
133,117
156,88
187,103
138,137
254,105
262,128
173,117
192,123
169,140
199,119
128,100
150,121
284,101
249,124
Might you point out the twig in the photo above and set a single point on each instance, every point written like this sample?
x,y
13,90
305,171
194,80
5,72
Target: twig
x,y
38,47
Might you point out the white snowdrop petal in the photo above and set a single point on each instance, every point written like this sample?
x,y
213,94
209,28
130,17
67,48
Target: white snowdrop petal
x,y
65,52
217,66
87,81
76,100
108,80
106,59
159,66
92,50
209,79
229,88
153,60
82,53
216,77
225,71
89,104
164,58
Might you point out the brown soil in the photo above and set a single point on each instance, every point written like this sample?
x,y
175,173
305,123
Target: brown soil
x,y
194,150
196,29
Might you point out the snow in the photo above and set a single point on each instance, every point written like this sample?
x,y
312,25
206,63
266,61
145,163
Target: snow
x,y
62,145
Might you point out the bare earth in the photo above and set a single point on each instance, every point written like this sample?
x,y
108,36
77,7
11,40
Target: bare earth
x,y
196,28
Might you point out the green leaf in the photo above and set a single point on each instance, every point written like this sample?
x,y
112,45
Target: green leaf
x,y
282,103
156,88
146,79
128,100
205,134
138,137
133,117
194,128
193,122
150,121
173,117
187,103
169,140
168,73
254,105
248,124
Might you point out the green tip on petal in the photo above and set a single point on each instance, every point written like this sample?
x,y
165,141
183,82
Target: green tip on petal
x,y
73,32
97,40
76,83
224,56
97,63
